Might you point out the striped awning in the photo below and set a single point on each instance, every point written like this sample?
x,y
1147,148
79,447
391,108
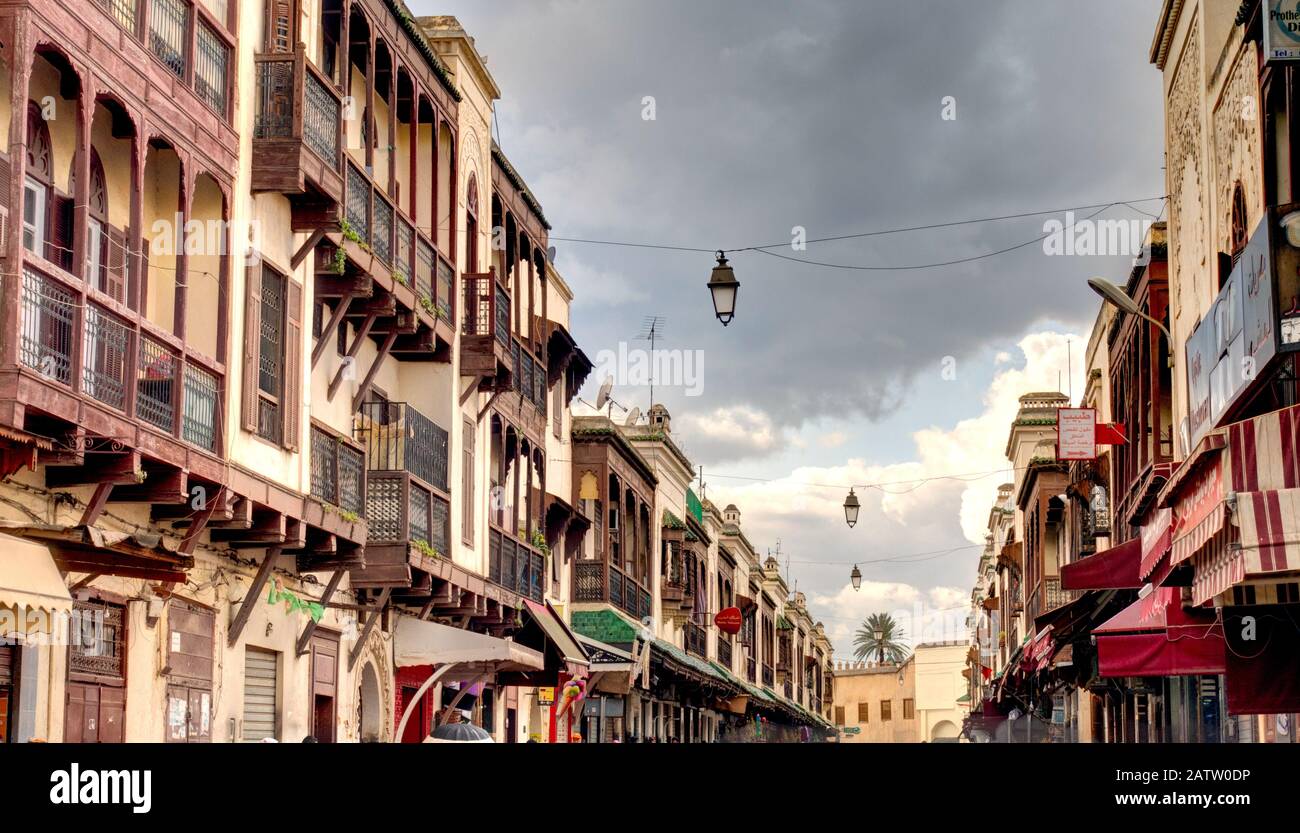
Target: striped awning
x,y
1216,568
1187,543
1270,530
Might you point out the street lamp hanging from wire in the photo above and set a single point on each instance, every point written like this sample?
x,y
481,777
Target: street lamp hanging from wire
x,y
856,577
724,287
851,509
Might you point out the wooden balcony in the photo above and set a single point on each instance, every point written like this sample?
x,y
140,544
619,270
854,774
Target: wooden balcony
x,y
516,566
486,346
597,581
696,640
408,508
298,138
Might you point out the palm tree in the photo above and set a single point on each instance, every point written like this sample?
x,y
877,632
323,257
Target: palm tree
x,y
880,637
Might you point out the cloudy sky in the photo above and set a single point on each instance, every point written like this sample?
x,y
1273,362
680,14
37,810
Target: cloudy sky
x,y
830,116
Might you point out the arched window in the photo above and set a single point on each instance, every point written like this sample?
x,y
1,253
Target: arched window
x,y
98,243
38,183
471,225
1239,231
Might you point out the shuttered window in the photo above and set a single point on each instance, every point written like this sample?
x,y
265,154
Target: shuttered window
x,y
886,710
909,709
272,387
864,712
261,709
467,497
839,715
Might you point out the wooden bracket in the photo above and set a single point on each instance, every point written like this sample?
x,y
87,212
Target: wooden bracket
x,y
305,639
254,594
369,626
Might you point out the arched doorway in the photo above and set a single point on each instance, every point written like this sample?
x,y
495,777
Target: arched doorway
x,y
944,730
370,705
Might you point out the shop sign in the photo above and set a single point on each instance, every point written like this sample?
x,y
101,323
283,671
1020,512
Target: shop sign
x,y
1236,339
1281,30
546,696
1076,434
729,620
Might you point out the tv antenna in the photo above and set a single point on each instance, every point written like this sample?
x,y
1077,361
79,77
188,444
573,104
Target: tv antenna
x,y
652,329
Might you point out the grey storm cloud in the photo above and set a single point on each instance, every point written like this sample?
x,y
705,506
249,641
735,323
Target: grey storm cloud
x,y
825,115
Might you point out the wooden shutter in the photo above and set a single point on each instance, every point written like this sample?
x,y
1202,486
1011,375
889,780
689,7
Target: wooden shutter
x,y
291,401
282,24
116,286
4,195
252,344
59,245
260,706
467,483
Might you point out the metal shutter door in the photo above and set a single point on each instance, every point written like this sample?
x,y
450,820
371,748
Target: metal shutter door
x,y
260,710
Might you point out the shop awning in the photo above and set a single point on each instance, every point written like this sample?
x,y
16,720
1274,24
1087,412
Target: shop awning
x,y
32,592
1263,676
1270,530
1157,637
1156,535
1112,569
557,633
416,643
89,549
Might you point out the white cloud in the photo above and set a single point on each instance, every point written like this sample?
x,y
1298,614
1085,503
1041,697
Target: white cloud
x,y
904,526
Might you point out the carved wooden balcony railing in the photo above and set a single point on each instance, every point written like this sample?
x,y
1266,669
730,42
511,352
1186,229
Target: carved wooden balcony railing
x,y
596,581
297,133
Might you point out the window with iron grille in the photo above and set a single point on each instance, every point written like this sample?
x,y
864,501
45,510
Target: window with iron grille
x,y
270,379
169,26
123,11
211,68
337,472
97,640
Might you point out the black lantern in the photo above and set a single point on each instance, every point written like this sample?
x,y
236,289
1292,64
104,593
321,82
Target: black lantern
x,y
851,508
724,286
856,577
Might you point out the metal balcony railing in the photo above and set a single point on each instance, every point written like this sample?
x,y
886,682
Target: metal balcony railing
x,y
596,581
338,472
397,437
724,652
696,640
121,366
769,676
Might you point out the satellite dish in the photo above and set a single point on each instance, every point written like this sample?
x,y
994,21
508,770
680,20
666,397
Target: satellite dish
x,y
550,254
633,416
605,387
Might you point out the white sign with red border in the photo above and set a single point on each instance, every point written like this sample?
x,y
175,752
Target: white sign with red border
x,y
1076,433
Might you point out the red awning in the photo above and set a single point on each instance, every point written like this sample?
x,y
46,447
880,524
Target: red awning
x,y
1112,569
1263,675
1156,637
1156,536
1270,530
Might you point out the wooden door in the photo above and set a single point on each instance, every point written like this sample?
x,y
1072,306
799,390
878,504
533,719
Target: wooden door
x,y
324,685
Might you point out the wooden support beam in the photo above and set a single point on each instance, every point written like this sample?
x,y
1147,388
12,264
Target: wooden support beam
x,y
488,406
364,388
471,390
327,333
305,639
170,486
337,286
241,516
84,582
306,248
95,507
369,626
199,523
118,469
253,596
362,334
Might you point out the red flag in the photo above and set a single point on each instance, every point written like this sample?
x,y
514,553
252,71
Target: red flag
x,y
1111,434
